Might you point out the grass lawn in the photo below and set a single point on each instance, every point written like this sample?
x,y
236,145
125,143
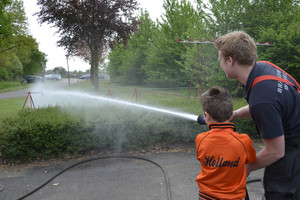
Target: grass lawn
x,y
12,86
10,107
162,98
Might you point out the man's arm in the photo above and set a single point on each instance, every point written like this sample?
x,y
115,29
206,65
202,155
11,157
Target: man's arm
x,y
243,112
274,150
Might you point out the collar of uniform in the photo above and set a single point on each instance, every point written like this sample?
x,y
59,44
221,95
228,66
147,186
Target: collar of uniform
x,y
221,125
250,79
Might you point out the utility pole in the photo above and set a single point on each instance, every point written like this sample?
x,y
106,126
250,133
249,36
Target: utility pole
x,y
67,56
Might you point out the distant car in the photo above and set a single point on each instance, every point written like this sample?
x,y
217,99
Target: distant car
x,y
50,77
86,76
58,76
33,79
53,77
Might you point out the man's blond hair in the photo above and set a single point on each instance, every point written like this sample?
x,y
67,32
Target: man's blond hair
x,y
238,45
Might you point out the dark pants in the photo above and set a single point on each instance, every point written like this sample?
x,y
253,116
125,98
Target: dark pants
x,y
282,179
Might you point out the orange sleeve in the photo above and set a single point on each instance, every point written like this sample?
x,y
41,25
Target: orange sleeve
x,y
251,153
198,140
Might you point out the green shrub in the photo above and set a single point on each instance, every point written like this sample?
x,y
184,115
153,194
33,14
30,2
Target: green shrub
x,y
246,126
43,133
54,131
122,128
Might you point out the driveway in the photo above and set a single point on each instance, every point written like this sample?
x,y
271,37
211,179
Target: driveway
x,y
112,178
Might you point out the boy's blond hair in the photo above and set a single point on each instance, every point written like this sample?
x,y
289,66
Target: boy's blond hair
x,y
217,102
238,45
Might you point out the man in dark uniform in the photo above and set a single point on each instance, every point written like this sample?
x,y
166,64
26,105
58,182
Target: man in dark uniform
x,y
274,105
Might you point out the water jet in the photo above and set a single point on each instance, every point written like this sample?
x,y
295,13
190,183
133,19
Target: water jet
x,y
59,97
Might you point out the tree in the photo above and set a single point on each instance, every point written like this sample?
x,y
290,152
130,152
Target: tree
x,y
277,22
36,63
126,63
30,56
115,64
6,29
285,37
164,66
167,63
226,15
7,26
90,23
17,48
60,70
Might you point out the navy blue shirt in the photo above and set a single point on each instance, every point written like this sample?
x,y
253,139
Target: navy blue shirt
x,y
274,105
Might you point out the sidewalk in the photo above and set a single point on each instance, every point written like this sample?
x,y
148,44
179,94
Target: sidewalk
x,y
112,179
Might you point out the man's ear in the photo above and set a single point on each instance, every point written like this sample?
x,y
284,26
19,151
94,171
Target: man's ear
x,y
230,60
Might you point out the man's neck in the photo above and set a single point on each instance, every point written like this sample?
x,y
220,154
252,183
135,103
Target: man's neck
x,y
244,73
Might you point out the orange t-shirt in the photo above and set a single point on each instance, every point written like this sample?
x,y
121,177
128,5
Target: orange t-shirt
x,y
223,154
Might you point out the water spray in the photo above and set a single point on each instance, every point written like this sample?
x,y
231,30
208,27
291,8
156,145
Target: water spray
x,y
85,95
200,119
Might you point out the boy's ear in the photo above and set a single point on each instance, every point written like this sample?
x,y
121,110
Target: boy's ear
x,y
207,116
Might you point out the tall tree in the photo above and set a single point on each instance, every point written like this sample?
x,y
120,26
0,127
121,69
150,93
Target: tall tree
x,y
60,70
89,23
13,23
128,68
226,15
284,34
16,46
164,62
6,25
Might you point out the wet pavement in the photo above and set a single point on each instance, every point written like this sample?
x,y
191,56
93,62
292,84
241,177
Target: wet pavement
x,y
113,178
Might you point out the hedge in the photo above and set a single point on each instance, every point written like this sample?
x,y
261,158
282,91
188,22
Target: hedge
x,y
55,131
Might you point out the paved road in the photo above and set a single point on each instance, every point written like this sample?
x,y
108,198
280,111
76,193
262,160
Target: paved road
x,y
37,88
112,179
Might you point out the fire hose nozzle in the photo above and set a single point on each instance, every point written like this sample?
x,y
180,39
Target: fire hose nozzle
x,y
201,120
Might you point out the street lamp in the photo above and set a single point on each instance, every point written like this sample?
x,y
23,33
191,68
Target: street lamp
x,y
42,70
67,56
